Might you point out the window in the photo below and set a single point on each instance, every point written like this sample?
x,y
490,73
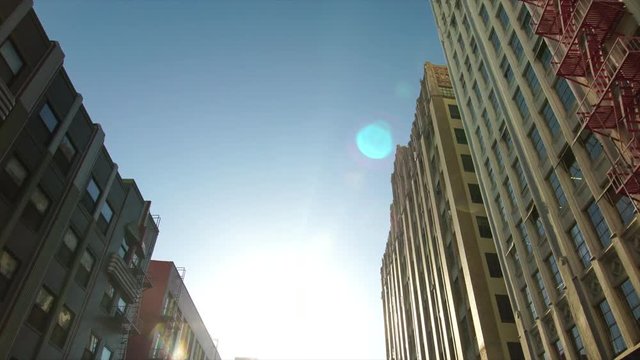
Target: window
x,y
135,261
157,346
538,144
581,246
506,137
483,72
625,209
49,119
93,190
67,148
593,146
544,55
461,138
541,288
557,189
577,342
525,237
516,46
503,213
67,248
493,264
511,193
565,94
107,297
105,217
559,349
121,307
61,329
495,41
555,272
91,348
504,308
476,91
15,174
483,227
467,163
530,305
474,190
515,351
525,20
504,18
124,249
520,173
617,342
523,109
40,201
571,166
507,72
11,56
498,155
454,112
537,221
473,45
551,119
494,102
480,138
106,354
8,267
484,15
532,79
41,309
86,266
631,296
35,212
600,226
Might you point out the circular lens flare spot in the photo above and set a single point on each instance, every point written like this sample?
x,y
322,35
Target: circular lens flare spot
x,y
374,140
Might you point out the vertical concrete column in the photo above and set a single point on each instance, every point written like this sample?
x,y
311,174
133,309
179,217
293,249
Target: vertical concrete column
x,y
10,23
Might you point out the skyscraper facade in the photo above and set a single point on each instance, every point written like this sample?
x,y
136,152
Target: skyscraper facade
x,y
75,237
443,290
548,92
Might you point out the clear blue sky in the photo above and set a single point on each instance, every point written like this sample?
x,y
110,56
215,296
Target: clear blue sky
x,y
238,119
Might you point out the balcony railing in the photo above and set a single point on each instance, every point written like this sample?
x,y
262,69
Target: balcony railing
x,y
124,278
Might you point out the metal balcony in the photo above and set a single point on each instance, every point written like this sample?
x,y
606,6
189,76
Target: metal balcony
x,y
124,278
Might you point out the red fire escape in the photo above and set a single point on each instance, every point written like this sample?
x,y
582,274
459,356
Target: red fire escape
x,y
583,31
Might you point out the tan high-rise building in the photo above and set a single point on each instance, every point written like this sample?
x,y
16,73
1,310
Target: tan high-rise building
x,y
548,93
443,291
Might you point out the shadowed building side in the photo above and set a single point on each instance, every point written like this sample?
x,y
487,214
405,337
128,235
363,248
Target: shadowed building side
x,y
75,238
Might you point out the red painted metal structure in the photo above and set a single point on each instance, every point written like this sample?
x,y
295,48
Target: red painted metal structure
x,y
589,52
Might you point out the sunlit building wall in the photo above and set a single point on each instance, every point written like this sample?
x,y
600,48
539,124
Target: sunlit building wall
x,y
443,292
567,241
75,237
172,327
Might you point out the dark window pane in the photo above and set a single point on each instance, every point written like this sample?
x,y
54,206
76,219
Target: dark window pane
x,y
504,308
493,264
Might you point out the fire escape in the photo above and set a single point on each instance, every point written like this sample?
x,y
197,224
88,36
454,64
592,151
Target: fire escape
x,y
131,279
589,52
172,319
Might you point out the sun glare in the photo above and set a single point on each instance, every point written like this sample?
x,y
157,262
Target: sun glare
x,y
289,299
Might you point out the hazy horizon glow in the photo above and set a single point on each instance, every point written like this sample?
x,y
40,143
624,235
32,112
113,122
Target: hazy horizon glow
x,y
263,133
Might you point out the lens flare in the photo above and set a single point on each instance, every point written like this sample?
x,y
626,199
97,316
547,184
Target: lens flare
x,y
374,140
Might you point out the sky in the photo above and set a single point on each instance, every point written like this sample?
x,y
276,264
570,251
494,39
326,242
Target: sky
x,y
263,133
